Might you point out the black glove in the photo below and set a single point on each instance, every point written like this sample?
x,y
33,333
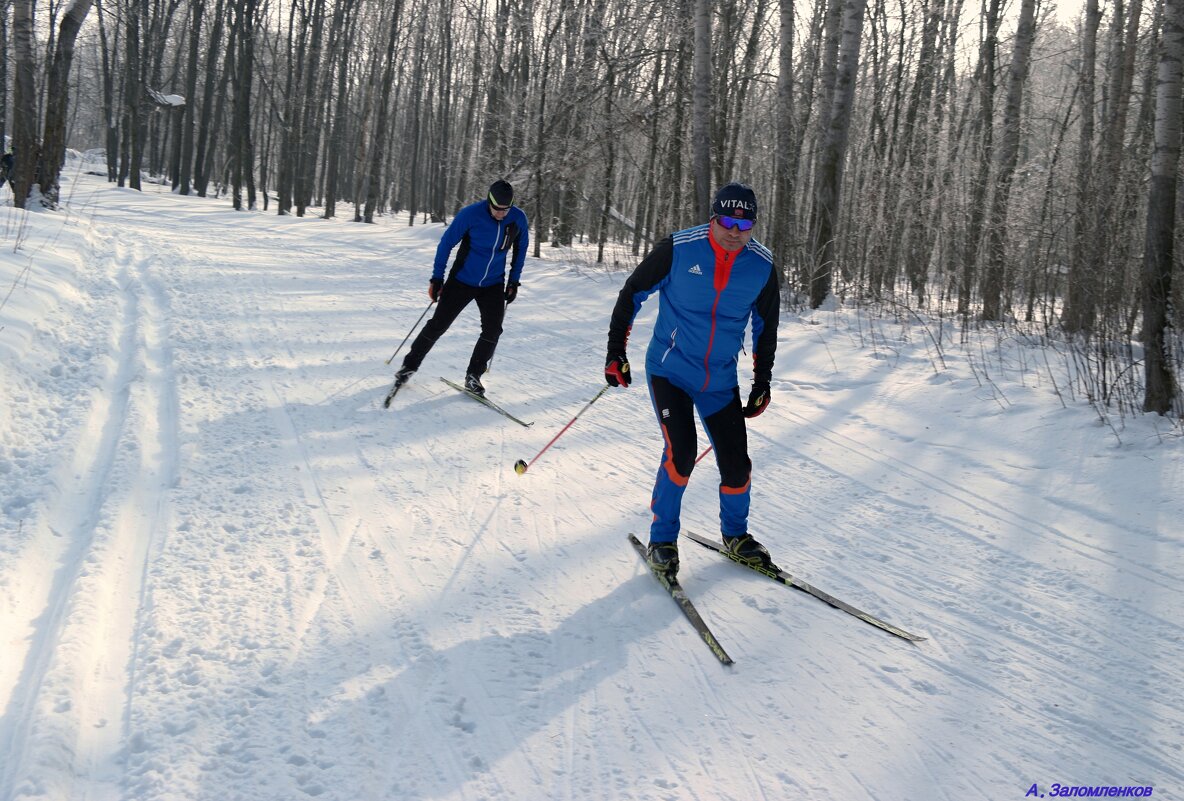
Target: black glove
x,y
435,286
511,292
616,369
758,399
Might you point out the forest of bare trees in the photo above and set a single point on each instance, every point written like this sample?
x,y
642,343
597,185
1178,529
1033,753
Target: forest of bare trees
x,y
1001,163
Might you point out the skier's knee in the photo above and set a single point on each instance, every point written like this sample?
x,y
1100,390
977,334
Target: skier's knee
x,y
678,467
736,475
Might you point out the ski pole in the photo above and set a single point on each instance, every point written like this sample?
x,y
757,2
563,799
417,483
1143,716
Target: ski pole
x,y
521,466
409,333
704,453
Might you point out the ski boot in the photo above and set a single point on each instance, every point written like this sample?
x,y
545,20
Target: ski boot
x,y
473,384
663,558
401,377
747,550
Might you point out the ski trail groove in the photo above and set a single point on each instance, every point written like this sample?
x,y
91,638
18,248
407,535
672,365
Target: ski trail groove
x,y
68,713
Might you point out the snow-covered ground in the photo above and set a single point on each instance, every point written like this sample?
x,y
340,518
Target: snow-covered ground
x,y
226,572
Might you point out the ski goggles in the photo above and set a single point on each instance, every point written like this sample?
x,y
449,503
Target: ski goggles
x,y
735,222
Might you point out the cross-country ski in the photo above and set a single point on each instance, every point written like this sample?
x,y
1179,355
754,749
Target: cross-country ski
x,y
780,576
679,595
484,401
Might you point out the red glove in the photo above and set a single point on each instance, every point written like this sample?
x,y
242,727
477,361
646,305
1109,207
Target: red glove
x,y
616,370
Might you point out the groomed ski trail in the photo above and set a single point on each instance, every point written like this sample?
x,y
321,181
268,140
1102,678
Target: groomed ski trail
x,y
85,566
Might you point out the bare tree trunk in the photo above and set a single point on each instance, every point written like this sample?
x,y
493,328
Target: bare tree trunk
x,y
609,165
363,168
188,118
542,221
420,108
291,151
1158,255
336,142
914,229
1081,299
24,102
468,133
136,132
1009,148
309,114
828,182
570,132
158,44
206,122
1110,210
731,158
701,110
4,55
672,214
643,230
265,122
785,163
828,66
110,115
982,136
53,152
378,154
169,142
240,128
444,158
495,136
208,171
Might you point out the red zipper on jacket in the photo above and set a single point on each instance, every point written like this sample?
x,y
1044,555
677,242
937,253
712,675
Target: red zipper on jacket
x,y
723,271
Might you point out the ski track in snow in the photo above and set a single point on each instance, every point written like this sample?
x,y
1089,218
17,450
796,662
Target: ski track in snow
x,y
231,574
106,513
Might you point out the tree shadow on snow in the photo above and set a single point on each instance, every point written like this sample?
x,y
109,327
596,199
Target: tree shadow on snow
x,y
511,705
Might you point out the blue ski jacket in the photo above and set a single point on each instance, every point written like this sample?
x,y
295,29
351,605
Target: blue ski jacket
x,y
706,298
484,243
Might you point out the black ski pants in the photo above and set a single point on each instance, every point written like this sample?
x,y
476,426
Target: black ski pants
x,y
454,296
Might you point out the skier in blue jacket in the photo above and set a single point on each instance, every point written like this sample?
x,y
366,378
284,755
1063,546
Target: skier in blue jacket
x,y
712,280
486,231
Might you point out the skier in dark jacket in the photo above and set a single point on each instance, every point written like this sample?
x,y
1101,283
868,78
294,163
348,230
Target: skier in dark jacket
x,y
712,280
486,232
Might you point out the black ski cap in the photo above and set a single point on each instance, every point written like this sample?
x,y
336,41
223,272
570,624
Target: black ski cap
x,y
735,200
501,193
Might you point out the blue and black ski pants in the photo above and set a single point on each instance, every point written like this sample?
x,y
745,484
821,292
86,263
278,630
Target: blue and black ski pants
x,y
723,418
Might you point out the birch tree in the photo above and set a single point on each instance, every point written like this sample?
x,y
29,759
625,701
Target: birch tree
x,y
57,99
828,182
785,162
24,101
982,138
1080,299
1009,148
701,110
5,5
1158,254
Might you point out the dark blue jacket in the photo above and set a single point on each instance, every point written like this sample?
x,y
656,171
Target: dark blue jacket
x,y
484,243
707,297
